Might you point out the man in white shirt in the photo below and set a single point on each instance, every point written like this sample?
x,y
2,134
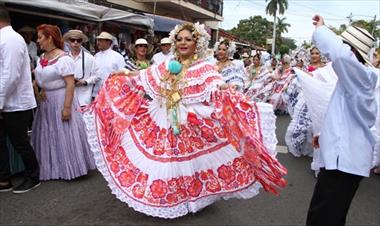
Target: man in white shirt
x,y
87,72
165,53
16,104
346,141
107,59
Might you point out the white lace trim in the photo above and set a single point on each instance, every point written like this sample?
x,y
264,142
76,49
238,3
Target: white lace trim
x,y
163,212
268,127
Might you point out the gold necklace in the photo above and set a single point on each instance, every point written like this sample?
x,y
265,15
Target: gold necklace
x,y
171,91
222,64
47,53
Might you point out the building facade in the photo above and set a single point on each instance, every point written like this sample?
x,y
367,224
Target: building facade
x,y
208,12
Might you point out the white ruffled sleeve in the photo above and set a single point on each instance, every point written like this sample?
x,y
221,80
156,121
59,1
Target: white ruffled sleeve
x,y
65,66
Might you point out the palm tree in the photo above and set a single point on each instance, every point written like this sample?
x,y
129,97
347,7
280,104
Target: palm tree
x,y
271,9
282,27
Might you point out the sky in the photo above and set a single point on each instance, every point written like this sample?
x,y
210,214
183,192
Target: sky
x,y
300,12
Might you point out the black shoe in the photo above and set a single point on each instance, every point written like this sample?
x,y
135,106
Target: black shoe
x,y
27,185
6,188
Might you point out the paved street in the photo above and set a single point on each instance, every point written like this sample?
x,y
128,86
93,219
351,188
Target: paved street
x,y
88,201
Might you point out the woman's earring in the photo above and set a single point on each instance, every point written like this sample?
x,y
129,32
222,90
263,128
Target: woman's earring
x,y
195,56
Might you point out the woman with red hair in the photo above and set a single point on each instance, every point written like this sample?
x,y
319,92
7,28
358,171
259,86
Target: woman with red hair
x,y
59,135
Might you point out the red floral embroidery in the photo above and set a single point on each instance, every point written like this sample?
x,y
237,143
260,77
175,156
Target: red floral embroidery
x,y
115,167
198,136
208,134
142,178
195,188
158,188
138,191
127,178
192,118
172,198
226,173
212,184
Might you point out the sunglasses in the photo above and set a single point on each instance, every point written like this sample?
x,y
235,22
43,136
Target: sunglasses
x,y
79,40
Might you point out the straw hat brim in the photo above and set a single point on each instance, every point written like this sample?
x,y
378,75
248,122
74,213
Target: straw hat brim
x,y
360,39
73,34
133,47
364,55
27,29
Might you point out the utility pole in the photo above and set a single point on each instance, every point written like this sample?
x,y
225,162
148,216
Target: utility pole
x,y
374,25
349,17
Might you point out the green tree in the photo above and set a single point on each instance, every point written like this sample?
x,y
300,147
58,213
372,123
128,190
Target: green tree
x,y
281,28
368,25
339,30
255,29
286,45
284,49
274,7
291,43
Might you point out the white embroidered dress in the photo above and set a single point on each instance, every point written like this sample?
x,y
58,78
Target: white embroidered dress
x,y
225,148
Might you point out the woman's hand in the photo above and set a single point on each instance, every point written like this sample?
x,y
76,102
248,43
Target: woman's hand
x,y
41,96
81,82
117,73
224,86
124,72
318,21
315,141
66,114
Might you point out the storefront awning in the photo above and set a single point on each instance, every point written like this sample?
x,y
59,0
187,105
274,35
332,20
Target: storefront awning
x,y
85,10
163,23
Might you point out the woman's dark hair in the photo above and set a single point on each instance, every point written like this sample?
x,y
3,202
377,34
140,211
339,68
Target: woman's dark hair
x,y
4,15
226,42
258,56
236,56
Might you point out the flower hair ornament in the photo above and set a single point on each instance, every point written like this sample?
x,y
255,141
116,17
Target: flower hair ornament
x,y
231,47
323,58
200,36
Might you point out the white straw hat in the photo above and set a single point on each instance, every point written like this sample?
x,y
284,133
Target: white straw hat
x,y
360,39
165,41
141,41
105,35
26,29
77,34
245,55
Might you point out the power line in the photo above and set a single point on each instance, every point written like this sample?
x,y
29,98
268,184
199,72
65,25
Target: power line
x,y
322,11
287,12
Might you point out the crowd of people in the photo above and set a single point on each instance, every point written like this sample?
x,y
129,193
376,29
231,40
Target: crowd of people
x,y
175,131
